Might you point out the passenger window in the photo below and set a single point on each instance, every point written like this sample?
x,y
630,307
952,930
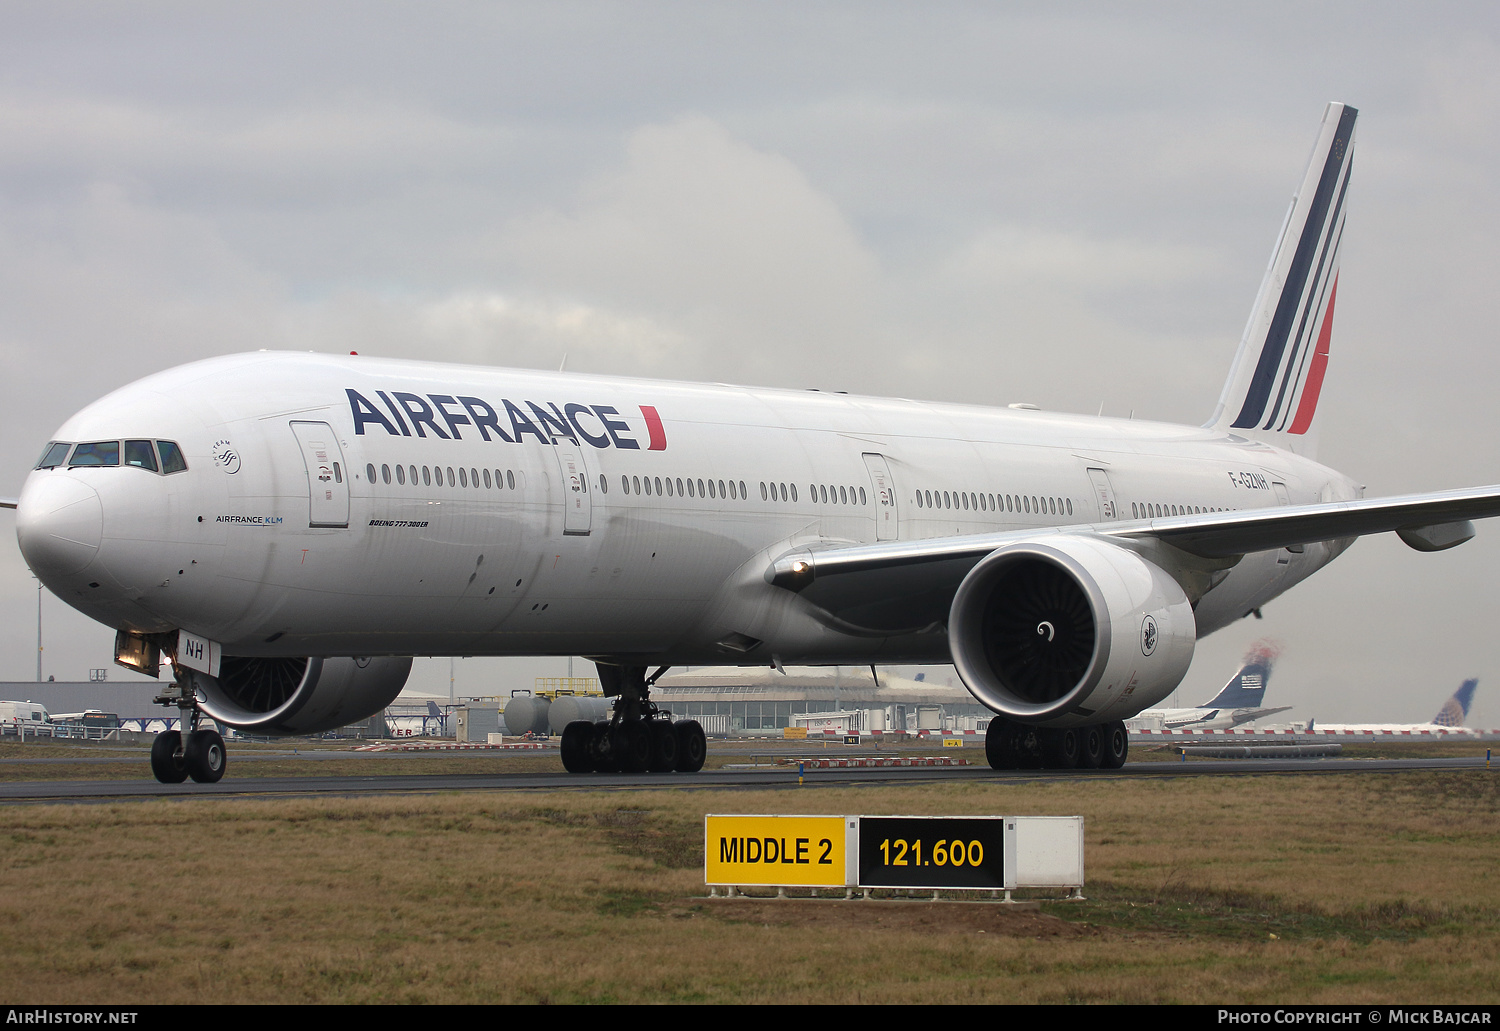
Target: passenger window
x,y
370,472
463,478
426,476
743,492
691,492
488,483
474,477
658,485
104,452
413,471
338,473
385,473
401,475
510,479
53,456
451,480
171,457
679,486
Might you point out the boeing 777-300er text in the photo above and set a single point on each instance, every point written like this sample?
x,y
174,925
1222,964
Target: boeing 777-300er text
x,y
289,528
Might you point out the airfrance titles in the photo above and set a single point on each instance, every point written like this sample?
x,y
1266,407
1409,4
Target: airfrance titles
x,y
403,414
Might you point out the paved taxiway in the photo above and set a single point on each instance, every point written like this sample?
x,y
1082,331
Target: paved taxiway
x,y
769,778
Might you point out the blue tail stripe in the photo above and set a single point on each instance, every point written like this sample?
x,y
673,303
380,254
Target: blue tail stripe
x,y
1319,284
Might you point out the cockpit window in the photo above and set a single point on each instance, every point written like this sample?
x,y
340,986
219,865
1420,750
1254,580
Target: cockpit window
x,y
140,454
54,455
171,457
104,452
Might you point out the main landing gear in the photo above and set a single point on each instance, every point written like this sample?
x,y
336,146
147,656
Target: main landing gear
x,y
192,751
1009,745
639,737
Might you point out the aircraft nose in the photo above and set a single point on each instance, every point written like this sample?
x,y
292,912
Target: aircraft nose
x,y
59,525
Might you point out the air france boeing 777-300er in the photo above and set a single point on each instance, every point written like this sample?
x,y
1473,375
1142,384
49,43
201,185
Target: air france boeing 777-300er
x,y
288,529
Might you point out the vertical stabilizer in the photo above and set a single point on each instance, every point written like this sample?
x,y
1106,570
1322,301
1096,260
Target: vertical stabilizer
x,y
1245,690
1456,710
1273,388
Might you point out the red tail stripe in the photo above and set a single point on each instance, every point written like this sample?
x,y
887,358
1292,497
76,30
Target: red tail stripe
x,y
1315,371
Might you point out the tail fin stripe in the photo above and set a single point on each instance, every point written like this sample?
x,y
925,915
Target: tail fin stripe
x,y
1320,319
1316,294
1314,386
1296,280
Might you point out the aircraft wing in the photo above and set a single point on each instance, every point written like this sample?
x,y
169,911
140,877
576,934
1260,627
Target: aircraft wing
x,y
907,586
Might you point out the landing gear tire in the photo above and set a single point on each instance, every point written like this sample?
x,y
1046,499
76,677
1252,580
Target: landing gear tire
x,y
1090,747
576,739
1059,748
1000,744
204,756
1116,745
602,755
692,746
632,745
663,747
166,765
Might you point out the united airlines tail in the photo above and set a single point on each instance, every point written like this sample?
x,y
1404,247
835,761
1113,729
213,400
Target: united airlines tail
x,y
1455,711
1273,386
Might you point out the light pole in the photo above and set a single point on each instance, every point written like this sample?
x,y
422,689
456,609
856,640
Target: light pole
x,y
38,629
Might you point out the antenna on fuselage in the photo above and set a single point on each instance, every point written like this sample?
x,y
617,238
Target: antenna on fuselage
x,y
562,365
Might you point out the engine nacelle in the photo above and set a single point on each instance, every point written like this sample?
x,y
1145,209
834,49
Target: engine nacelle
x,y
1070,631
299,696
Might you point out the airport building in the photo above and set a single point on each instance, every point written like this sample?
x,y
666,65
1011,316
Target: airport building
x,y
749,700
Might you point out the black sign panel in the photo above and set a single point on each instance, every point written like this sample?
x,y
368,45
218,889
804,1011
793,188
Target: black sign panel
x,y
931,852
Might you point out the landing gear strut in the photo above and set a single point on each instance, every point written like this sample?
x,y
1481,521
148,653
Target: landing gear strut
x,y
1011,746
638,737
192,751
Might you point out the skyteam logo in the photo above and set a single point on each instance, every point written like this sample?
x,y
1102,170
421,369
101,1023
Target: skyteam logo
x,y
403,414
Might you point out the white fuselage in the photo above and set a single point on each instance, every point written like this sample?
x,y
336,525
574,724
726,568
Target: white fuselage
x,y
538,565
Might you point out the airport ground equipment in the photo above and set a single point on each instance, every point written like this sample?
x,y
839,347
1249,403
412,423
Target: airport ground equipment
x,y
906,853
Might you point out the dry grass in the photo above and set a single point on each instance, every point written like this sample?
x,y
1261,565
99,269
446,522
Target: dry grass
x,y
1313,889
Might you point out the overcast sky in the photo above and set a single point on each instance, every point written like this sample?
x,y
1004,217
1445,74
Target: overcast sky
x,y
1069,205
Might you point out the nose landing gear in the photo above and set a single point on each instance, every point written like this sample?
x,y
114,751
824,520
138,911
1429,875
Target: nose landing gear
x,y
192,751
638,737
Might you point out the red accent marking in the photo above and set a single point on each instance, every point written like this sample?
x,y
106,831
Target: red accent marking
x,y
1319,366
654,427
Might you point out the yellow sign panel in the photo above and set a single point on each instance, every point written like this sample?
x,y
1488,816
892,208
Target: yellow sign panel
x,y
794,732
774,850
953,742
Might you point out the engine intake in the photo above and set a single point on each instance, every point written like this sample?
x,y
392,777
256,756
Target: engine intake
x,y
1070,631
300,696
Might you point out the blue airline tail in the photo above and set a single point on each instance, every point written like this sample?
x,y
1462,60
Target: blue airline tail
x,y
1246,688
1456,710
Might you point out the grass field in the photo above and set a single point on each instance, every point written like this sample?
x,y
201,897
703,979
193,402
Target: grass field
x,y
1353,889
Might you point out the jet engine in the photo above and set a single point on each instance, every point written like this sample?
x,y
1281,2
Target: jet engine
x,y
1070,631
300,696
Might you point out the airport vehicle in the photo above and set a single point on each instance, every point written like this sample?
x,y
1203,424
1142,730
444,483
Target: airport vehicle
x,y
1238,702
24,714
1449,719
289,528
